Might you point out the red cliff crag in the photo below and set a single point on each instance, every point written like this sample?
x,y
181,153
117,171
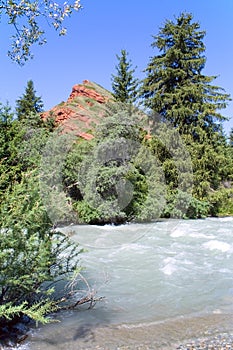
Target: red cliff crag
x,y
83,109
83,91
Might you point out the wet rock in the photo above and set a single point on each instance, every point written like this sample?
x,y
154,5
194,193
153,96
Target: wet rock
x,y
14,333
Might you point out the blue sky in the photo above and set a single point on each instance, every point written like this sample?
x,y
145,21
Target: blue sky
x,y
99,31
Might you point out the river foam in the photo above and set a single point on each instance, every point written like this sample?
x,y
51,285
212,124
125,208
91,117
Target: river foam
x,y
167,280
217,245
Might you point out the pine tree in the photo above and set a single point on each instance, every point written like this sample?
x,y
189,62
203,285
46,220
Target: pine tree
x,y
10,140
175,86
231,137
124,85
29,104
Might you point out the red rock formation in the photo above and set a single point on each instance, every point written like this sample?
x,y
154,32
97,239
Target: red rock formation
x,y
82,110
81,90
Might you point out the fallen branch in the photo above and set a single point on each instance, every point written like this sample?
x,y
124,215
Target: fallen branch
x,y
88,298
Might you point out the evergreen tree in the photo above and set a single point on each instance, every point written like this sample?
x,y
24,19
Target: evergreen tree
x,y
29,104
10,140
118,178
31,251
231,137
124,85
175,86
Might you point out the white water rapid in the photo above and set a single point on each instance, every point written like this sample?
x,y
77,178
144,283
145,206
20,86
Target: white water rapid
x,y
162,282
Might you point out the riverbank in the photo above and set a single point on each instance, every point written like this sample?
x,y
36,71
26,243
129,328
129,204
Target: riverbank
x,y
213,331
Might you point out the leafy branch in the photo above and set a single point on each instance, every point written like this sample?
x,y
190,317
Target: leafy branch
x,y
25,15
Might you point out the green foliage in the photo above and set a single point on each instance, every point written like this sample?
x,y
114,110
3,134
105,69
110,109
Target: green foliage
x,y
124,85
182,205
86,213
31,252
221,202
10,140
37,312
21,143
29,104
212,163
175,86
197,209
169,148
73,162
25,18
122,176
231,138
117,179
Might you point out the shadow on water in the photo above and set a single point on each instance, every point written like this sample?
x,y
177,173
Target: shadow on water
x,y
77,327
84,332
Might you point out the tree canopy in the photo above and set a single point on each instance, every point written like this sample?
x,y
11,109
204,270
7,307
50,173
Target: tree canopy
x,y
124,84
175,86
29,104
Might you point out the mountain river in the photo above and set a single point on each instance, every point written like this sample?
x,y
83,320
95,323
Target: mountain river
x,y
163,284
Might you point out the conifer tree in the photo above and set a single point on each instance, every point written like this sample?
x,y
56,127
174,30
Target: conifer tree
x,y
175,86
124,85
231,137
29,104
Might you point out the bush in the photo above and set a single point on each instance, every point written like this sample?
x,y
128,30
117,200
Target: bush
x,y
31,253
221,202
182,205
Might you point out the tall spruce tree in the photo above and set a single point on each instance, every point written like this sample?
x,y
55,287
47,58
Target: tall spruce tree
x,y
124,85
175,86
29,104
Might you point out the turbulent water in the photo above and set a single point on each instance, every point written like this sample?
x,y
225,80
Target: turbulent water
x,y
163,282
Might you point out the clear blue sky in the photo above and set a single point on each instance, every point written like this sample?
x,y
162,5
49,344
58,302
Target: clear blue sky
x,y
100,30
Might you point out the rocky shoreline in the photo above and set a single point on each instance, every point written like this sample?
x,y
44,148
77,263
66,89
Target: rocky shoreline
x,y
220,342
212,332
14,333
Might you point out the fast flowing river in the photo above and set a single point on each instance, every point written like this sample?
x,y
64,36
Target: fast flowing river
x,y
164,283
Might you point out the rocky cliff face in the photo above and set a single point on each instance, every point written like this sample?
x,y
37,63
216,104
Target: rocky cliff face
x,y
82,111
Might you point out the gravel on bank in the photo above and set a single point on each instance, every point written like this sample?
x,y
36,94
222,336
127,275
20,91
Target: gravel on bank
x,y
220,342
